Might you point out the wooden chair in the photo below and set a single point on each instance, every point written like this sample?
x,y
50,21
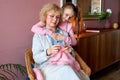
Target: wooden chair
x,y
29,60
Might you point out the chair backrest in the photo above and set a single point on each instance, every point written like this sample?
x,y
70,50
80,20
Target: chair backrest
x,y
29,60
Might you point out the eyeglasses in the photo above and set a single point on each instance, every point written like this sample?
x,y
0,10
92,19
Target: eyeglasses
x,y
53,16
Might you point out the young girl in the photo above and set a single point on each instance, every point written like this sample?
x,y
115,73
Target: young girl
x,y
68,11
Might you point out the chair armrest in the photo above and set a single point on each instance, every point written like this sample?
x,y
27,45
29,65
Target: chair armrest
x,y
83,65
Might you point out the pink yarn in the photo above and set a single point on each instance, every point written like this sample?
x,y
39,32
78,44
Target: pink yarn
x,y
63,57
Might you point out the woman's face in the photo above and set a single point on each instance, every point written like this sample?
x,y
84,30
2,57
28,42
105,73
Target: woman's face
x,y
67,13
52,19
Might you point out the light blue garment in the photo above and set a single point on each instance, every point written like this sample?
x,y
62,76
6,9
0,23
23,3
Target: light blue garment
x,y
50,72
54,42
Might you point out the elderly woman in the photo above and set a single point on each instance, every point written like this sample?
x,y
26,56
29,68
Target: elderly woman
x,y
44,47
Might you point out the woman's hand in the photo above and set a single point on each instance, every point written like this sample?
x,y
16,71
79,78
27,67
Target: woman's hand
x,y
57,36
53,49
68,48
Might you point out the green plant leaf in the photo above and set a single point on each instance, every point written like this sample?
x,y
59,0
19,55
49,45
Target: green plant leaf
x,y
3,77
11,70
103,16
12,74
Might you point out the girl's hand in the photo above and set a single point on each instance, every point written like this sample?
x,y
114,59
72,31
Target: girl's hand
x,y
57,36
53,49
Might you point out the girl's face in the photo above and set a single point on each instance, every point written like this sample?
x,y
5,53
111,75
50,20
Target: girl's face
x,y
52,19
67,14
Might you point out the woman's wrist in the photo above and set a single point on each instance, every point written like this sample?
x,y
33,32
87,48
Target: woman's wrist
x,y
48,52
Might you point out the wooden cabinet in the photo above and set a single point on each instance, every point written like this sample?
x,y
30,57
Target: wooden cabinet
x,y
99,50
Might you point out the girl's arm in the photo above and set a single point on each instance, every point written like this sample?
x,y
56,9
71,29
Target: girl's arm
x,y
71,36
71,39
39,29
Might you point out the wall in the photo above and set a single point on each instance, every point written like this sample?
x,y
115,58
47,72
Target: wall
x,y
16,20
114,6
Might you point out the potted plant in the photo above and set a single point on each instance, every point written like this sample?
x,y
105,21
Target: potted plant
x,y
10,70
104,16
